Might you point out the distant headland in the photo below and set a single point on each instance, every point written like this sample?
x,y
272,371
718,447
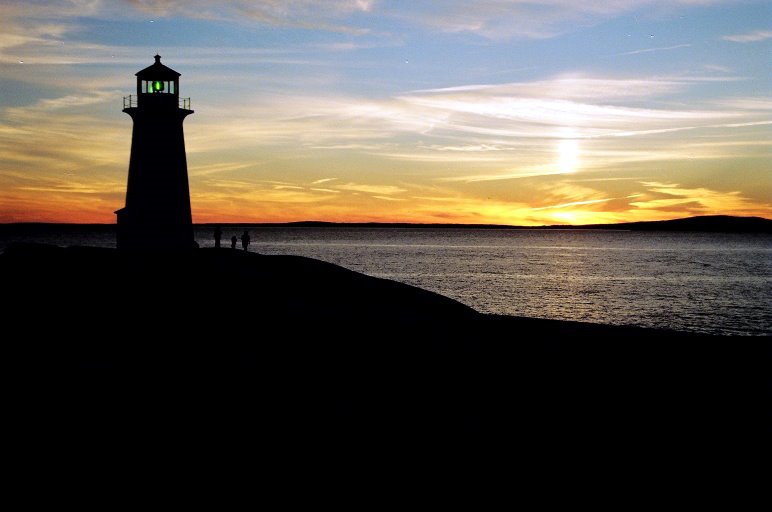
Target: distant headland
x,y
705,223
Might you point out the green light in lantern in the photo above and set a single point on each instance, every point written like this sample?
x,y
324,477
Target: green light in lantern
x,y
158,86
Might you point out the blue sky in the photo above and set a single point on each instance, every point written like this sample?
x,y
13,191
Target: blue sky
x,y
505,111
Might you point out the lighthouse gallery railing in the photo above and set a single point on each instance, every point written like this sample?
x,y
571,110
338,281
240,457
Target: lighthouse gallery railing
x,y
131,100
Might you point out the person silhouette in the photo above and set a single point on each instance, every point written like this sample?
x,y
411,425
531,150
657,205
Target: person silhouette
x,y
217,236
233,241
245,240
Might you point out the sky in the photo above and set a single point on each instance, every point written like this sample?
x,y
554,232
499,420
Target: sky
x,y
445,111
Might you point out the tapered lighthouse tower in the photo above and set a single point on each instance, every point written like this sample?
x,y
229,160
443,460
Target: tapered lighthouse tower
x,y
157,211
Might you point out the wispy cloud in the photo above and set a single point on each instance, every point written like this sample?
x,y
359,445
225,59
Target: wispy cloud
x,y
388,198
492,19
532,19
717,68
383,190
680,200
750,37
494,116
753,104
571,87
582,203
304,14
539,109
600,180
495,132
73,102
467,148
46,33
511,174
217,168
42,52
658,49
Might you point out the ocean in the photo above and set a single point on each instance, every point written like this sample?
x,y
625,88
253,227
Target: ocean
x,y
718,283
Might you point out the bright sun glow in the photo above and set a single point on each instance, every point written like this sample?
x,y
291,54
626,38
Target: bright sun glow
x,y
564,218
568,153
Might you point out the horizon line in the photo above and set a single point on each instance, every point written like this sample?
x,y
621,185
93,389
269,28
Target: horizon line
x,y
386,224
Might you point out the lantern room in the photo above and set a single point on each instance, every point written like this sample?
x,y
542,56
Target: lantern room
x,y
158,86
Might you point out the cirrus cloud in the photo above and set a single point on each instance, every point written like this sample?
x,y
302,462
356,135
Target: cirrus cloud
x,y
750,37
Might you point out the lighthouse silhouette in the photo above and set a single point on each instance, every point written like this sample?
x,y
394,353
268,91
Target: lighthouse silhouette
x,y
157,212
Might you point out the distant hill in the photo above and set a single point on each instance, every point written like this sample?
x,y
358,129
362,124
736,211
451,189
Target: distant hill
x,y
712,223
708,223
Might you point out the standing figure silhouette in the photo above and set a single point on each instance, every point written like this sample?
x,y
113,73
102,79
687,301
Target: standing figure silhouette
x,y
245,240
233,241
217,236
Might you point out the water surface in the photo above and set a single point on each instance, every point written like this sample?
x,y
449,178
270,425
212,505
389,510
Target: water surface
x,y
703,282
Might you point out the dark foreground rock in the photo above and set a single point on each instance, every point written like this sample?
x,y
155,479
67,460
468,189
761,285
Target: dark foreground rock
x,y
221,346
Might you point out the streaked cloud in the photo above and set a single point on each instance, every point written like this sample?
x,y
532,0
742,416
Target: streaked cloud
x,y
216,168
748,103
383,190
71,101
493,19
750,37
513,174
532,19
495,117
672,197
572,87
658,49
717,68
304,14
581,203
388,198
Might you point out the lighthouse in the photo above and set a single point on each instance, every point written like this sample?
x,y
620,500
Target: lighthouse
x,y
157,212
